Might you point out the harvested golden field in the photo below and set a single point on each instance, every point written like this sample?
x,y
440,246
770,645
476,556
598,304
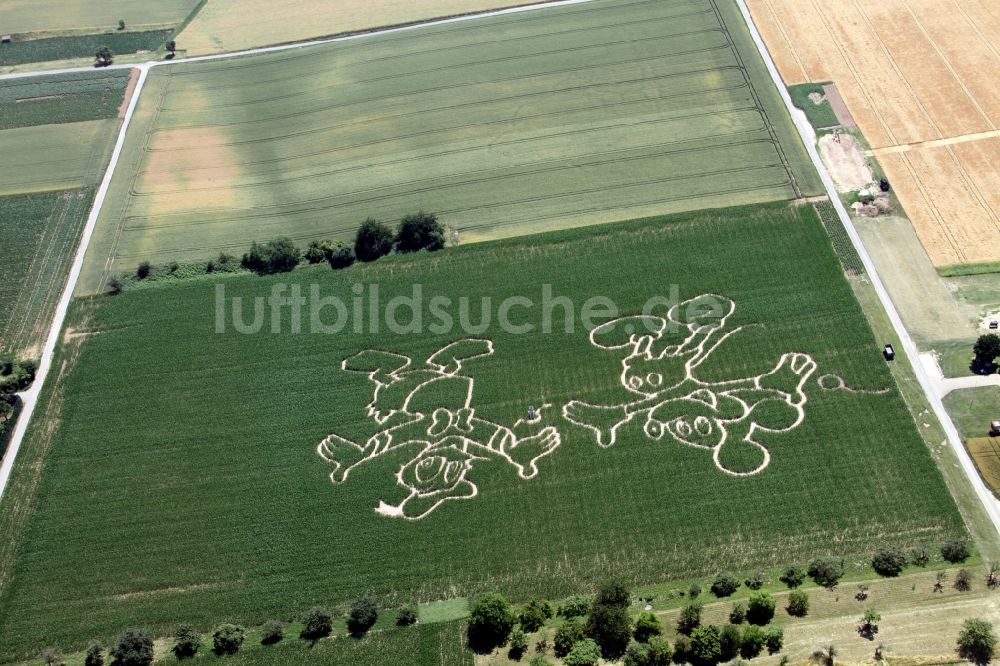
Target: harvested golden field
x,y
233,25
918,77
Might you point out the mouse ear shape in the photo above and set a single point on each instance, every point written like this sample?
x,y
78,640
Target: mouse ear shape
x,y
704,310
378,365
449,358
627,331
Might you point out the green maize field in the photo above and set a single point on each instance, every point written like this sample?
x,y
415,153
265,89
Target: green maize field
x,y
61,98
181,479
502,126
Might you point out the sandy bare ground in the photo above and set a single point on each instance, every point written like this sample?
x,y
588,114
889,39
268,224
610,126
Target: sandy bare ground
x,y
846,161
231,25
911,79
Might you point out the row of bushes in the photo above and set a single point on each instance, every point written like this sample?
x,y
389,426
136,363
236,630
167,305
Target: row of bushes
x,y
134,647
419,231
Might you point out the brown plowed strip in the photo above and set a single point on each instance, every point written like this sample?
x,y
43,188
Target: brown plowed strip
x,y
133,79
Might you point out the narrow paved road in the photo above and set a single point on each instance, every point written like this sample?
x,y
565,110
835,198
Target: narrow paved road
x,y
927,384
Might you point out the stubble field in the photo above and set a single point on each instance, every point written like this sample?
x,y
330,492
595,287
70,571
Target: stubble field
x,y
182,479
918,79
503,126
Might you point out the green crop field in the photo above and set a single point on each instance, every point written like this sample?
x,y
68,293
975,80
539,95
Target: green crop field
x,y
182,479
38,233
55,16
55,157
503,126
61,98
21,51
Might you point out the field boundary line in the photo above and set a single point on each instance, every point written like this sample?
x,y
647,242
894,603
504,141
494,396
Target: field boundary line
x,y
933,143
989,502
29,398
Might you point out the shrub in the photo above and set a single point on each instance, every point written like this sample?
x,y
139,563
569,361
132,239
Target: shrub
x,y
690,618
725,584
613,594
373,240
491,622
656,652
575,607
318,623
133,648
729,642
276,256
774,639
406,617
419,231
94,656
518,643
705,645
646,626
115,285
760,608
187,641
540,660
317,251
534,615
919,556
340,256
142,272
682,650
361,617
977,642
227,639
611,629
583,653
868,624
755,582
273,632
826,572
738,614
49,657
752,642
793,577
798,603
566,635
963,580
225,261
986,349
955,552
889,561
694,590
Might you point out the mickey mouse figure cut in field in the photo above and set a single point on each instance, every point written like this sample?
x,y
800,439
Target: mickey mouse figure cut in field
x,y
428,409
661,356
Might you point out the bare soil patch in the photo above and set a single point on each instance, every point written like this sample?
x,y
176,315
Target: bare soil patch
x,y
133,79
845,161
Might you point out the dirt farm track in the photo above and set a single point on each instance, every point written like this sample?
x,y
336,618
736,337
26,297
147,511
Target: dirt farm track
x,y
919,77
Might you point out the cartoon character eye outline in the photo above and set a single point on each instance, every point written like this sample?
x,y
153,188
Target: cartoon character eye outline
x,y
654,379
635,382
437,465
703,426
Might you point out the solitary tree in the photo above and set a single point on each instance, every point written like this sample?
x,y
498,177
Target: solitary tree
x,y
753,642
963,580
373,240
419,231
227,639
186,642
976,641
172,47
889,561
657,652
705,645
534,615
725,584
646,626
273,632
318,623
94,656
955,551
760,608
986,349
826,572
121,24
793,577
133,648
611,629
490,623
690,618
104,57
566,635
868,624
583,653
798,603
518,643
362,616
738,614
406,616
